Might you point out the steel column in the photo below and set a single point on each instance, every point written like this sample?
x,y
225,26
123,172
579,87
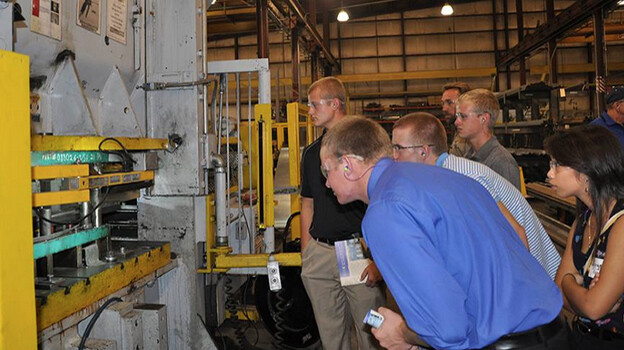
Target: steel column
x,y
18,329
494,40
327,69
403,52
506,25
520,26
314,58
294,55
262,20
552,45
600,50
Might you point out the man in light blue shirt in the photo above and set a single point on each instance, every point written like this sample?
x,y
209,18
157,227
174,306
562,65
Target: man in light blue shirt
x,y
459,273
421,138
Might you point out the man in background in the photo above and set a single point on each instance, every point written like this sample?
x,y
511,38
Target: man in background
x,y
477,112
612,117
450,94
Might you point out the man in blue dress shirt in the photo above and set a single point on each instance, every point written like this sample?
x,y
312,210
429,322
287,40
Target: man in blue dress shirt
x,y
459,273
612,117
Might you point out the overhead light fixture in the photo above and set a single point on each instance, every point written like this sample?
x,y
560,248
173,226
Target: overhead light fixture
x,y
620,3
212,2
447,10
343,16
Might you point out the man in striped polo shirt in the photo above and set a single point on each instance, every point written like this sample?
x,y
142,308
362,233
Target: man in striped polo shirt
x,y
421,138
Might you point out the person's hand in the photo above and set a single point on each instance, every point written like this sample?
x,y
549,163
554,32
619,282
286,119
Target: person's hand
x,y
593,283
390,333
373,274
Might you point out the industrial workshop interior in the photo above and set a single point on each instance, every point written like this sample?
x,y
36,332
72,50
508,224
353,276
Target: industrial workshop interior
x,y
151,150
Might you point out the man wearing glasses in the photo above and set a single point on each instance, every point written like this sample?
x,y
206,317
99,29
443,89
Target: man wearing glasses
x,y
461,276
477,111
450,94
421,138
324,222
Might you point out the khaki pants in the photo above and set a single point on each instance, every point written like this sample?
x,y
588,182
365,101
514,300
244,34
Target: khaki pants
x,y
335,306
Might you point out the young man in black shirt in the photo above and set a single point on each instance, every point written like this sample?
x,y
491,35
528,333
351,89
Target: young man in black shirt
x,y
323,222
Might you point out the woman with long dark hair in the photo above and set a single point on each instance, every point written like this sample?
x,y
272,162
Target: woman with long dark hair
x,y
588,162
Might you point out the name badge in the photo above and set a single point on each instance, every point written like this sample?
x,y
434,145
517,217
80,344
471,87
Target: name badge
x,y
595,267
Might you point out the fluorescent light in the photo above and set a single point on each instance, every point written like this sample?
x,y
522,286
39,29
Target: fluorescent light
x,y
343,16
213,2
447,9
620,3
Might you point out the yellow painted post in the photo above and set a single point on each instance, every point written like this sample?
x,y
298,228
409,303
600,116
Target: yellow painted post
x,y
18,328
263,117
294,160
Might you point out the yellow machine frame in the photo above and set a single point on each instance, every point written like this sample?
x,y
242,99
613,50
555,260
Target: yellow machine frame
x,y
219,259
18,328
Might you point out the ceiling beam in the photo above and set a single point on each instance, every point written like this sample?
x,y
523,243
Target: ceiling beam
x,y
566,20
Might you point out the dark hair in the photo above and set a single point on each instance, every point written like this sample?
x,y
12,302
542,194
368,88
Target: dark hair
x,y
594,151
425,128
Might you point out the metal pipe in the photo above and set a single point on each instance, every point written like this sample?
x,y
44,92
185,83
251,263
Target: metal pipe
x,y
250,172
264,84
97,213
220,195
85,208
162,85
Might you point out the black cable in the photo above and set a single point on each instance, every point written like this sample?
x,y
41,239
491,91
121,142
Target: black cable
x,y
93,319
286,227
77,221
251,323
127,160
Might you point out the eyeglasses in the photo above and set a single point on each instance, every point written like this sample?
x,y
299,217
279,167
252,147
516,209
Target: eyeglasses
x,y
448,102
398,147
554,164
315,105
464,116
325,170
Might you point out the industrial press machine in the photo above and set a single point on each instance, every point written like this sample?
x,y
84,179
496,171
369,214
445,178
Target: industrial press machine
x,y
136,181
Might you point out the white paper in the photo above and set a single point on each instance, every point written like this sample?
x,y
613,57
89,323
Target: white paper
x,y
351,261
117,20
45,18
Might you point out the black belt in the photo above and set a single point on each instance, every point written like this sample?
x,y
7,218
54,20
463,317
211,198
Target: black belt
x,y
597,332
535,336
332,241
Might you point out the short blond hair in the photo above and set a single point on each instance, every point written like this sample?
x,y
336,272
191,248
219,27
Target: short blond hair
x,y
425,129
330,88
483,101
358,136
457,85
